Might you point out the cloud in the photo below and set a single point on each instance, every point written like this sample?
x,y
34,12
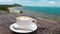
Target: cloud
x,y
37,3
6,0
29,0
40,3
52,2
32,2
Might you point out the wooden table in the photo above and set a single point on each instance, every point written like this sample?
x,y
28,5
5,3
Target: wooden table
x,y
44,26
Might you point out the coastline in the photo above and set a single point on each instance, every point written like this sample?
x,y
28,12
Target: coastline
x,y
42,15
39,14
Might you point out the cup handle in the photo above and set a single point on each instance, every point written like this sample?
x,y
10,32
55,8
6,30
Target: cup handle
x,y
34,20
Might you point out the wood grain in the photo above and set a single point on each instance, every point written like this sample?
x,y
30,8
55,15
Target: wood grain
x,y
44,26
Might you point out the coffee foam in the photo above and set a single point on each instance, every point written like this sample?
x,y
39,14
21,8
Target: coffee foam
x,y
23,18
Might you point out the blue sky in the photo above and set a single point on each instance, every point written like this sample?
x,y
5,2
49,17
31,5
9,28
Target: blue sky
x,y
33,2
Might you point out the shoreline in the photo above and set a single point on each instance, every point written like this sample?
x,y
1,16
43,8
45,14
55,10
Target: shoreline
x,y
39,14
42,15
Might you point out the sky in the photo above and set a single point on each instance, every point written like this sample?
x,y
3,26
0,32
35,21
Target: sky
x,y
51,3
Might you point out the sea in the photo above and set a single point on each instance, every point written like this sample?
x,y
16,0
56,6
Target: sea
x,y
51,13
50,10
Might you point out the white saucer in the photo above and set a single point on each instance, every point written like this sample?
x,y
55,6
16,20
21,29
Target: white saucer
x,y
32,28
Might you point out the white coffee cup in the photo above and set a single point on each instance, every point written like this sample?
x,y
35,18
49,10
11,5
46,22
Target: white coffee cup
x,y
25,22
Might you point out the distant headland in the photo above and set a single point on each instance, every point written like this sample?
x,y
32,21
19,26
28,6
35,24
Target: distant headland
x,y
4,8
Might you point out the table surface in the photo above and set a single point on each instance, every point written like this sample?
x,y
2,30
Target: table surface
x,y
44,26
